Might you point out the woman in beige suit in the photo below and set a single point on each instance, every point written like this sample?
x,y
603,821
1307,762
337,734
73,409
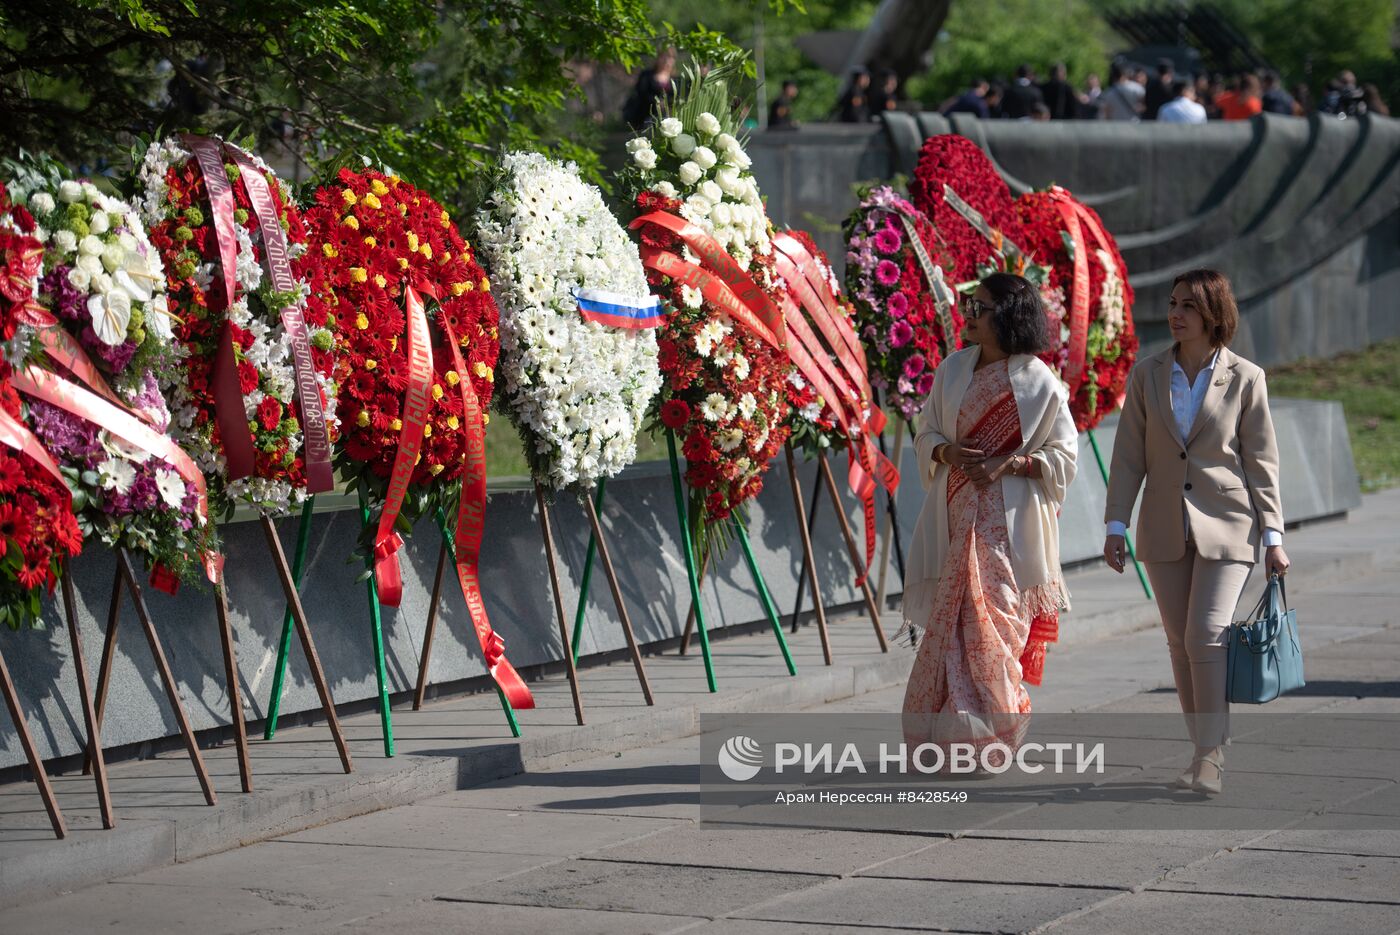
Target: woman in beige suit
x,y
1196,427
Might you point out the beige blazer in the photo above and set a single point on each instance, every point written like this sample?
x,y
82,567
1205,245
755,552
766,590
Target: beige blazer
x,y
1225,476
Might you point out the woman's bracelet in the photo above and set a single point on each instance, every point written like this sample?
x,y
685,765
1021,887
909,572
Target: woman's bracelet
x,y
938,453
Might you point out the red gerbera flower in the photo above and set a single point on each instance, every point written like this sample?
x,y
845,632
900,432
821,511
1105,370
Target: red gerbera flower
x,y
675,413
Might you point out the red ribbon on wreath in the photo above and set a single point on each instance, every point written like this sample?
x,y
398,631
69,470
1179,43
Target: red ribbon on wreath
x,y
1077,218
866,466
121,422
471,508
229,411
310,413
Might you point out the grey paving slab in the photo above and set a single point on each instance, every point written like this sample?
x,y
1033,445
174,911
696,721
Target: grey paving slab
x,y
450,917
441,828
786,849
639,887
136,909
970,907
1287,874
1053,863
1337,834
756,927
1192,914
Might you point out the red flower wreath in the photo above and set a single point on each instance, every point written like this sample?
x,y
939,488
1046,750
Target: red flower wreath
x,y
376,235
37,527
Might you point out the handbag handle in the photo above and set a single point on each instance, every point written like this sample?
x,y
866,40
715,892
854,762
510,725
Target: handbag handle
x,y
1276,586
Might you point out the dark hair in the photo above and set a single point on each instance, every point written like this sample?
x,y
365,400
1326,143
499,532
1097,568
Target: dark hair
x,y
1180,85
1019,320
1215,300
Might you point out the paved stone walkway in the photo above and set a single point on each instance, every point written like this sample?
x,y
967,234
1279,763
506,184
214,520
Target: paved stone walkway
x,y
612,844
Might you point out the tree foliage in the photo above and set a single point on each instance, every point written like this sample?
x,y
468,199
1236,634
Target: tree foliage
x,y
433,89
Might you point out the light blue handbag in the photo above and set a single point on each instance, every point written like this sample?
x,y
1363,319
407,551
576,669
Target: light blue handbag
x,y
1265,659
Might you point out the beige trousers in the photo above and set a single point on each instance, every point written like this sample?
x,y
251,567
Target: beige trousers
x,y
1196,598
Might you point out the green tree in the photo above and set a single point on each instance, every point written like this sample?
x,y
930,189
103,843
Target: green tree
x,y
1312,42
434,90
990,38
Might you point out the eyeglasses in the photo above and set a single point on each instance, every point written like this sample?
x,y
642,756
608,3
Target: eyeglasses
x,y
974,309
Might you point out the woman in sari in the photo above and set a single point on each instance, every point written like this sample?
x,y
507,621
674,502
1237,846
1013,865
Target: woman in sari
x,y
996,447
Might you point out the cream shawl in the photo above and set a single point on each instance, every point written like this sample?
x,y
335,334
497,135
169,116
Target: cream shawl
x,y
1032,504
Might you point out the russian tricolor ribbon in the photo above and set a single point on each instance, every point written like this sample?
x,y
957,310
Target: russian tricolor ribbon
x,y
617,310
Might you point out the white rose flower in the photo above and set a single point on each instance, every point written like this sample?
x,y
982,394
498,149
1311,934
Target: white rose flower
x,y
671,127
102,284
665,189
726,142
737,157
80,278
637,143
171,487
707,123
689,173
65,241
699,206
99,223
683,145
113,257
91,246
728,180
41,203
92,192
645,158
111,313
721,214
711,191
89,263
69,191
704,157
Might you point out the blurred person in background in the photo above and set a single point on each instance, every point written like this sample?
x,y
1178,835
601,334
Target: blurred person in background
x,y
971,101
654,85
1123,100
1244,101
885,95
855,103
780,111
1160,91
1022,95
1058,94
1183,108
1374,104
1039,113
1276,99
1302,100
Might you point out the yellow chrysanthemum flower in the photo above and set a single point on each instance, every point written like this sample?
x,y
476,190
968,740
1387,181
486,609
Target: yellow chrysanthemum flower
x,y
351,222
378,187
362,419
427,429
370,364
437,391
403,263
453,423
380,281
361,321
485,284
459,287
328,249
412,242
372,200
359,274
396,425
452,378
427,251
371,242
348,196
482,372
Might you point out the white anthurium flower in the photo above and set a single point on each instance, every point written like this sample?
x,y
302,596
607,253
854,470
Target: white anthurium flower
x,y
158,319
111,313
119,448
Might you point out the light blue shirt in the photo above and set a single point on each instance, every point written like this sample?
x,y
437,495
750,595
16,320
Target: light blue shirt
x,y
1187,397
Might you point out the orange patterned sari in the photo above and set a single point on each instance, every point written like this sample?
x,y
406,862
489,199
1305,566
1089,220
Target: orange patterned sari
x,y
982,643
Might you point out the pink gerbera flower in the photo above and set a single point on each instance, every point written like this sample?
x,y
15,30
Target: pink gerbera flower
x,y
888,241
886,273
900,333
898,305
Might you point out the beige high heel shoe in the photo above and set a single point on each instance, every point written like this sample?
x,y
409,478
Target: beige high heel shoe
x,y
1187,779
1210,786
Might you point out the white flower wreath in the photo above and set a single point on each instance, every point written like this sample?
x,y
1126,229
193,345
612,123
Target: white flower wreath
x,y
577,389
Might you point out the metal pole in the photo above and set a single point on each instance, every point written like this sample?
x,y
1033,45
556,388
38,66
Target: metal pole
x,y
377,637
274,705
688,547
